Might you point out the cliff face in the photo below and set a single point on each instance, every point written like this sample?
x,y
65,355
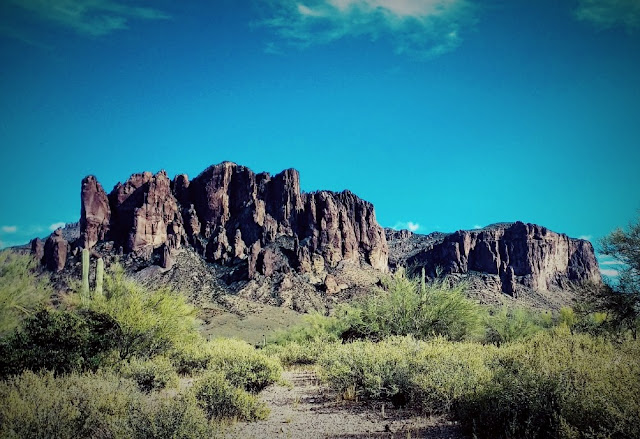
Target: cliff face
x,y
228,213
270,241
517,253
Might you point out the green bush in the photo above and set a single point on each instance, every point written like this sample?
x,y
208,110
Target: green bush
x,y
22,291
293,353
315,328
192,357
553,384
506,325
407,308
370,370
242,364
151,322
558,385
444,373
60,341
84,406
173,417
94,405
154,374
221,400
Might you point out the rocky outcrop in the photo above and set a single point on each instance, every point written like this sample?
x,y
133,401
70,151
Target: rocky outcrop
x,y
230,214
56,249
95,213
145,214
36,247
516,253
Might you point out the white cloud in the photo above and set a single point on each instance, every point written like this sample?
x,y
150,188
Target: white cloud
x,y
420,28
612,262
585,237
9,229
605,14
477,226
609,272
55,226
409,225
89,17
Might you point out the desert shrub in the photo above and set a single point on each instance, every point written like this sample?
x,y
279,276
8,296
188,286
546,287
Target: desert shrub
x,y
22,291
173,417
60,341
293,353
242,364
407,308
94,405
506,325
558,385
192,357
434,374
221,400
153,374
444,373
151,322
315,328
84,406
370,370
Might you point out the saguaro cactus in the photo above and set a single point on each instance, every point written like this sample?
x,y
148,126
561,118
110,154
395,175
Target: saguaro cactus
x,y
85,272
423,282
99,276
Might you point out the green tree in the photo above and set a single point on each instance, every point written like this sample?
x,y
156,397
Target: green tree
x,y
150,322
622,299
22,291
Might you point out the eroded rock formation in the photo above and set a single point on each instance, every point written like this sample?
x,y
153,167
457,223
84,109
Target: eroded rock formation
x,y
262,229
229,214
516,253
56,249
95,213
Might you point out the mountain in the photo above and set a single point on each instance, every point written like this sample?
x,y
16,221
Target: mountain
x,y
257,236
516,259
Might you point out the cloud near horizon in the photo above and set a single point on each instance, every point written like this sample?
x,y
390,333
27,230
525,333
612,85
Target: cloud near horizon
x,y
609,272
89,17
56,226
409,225
606,14
419,28
9,229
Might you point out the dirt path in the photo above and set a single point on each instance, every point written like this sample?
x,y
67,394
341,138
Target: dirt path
x,y
307,410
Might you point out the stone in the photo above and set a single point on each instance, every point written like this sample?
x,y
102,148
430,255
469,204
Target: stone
x,y
56,249
330,284
37,249
166,260
95,213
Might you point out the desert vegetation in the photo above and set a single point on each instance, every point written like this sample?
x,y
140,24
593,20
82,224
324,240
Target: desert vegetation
x,y
125,361
499,372
121,362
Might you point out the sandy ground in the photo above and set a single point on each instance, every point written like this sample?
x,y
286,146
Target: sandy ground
x,y
306,409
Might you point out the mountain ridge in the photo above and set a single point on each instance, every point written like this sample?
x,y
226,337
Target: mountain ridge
x,y
262,230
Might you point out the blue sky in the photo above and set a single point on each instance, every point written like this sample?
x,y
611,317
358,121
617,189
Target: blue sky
x,y
446,114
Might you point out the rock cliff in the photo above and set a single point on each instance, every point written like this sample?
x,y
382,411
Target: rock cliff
x,y
515,253
229,214
264,239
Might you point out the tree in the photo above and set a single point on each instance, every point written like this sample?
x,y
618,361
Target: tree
x,y
623,298
22,291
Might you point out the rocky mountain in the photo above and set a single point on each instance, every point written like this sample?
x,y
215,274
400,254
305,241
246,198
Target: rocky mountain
x,y
259,236
512,258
